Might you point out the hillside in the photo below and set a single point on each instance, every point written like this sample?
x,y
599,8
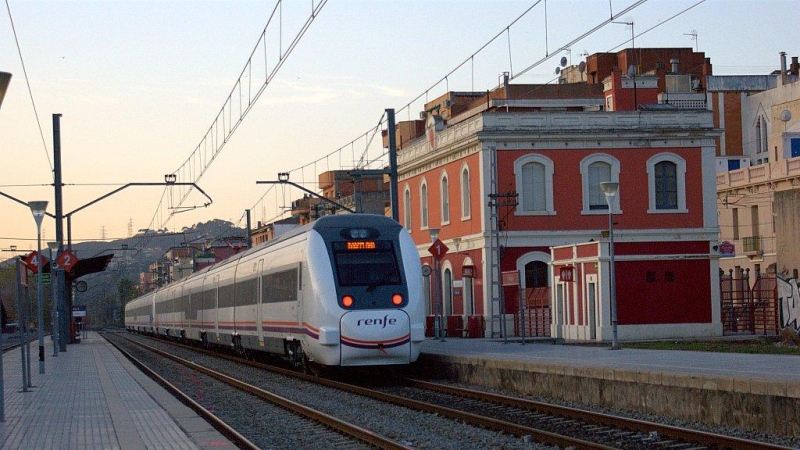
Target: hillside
x,y
106,291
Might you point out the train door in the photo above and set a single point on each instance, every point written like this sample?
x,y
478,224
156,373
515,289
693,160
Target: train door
x,y
259,294
215,305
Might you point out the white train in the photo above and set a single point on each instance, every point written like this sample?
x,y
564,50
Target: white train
x,y
344,290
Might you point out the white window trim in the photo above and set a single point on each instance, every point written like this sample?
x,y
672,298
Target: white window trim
x,y
680,174
441,199
465,168
548,184
424,207
615,169
407,208
523,260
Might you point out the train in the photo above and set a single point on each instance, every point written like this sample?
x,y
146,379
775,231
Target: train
x,y
342,291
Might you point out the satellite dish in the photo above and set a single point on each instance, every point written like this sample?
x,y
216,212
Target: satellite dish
x,y
558,70
563,61
582,67
785,115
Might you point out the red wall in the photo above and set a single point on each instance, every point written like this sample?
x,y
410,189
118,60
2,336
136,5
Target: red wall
x,y
568,200
685,299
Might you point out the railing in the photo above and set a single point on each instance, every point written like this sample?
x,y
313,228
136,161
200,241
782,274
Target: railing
x,y
752,244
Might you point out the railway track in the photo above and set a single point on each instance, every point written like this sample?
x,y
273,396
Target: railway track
x,y
530,421
317,427
616,431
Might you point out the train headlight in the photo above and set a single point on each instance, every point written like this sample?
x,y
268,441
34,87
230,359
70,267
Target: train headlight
x,y
397,299
347,301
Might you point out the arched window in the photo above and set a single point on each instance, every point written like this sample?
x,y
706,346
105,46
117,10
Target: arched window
x,y
534,178
666,185
445,199
407,208
423,205
666,180
596,169
465,193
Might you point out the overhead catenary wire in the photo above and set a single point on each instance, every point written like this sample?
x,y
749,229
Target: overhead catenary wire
x,y
30,90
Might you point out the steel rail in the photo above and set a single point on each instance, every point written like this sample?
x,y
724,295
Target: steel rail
x,y
349,429
240,441
538,435
712,440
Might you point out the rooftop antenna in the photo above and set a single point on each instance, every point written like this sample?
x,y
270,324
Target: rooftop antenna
x,y
693,35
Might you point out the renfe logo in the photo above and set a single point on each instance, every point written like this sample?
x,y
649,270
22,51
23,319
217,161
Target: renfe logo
x,y
371,322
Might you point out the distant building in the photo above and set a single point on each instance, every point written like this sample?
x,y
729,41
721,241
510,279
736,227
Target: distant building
x,y
266,232
758,189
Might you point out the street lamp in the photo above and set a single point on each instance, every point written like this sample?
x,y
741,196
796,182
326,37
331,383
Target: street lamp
x,y
610,189
54,246
5,79
38,209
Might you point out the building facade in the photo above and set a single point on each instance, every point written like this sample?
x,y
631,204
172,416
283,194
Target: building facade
x,y
758,199
542,170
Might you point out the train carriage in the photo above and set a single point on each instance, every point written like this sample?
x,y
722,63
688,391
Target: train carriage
x,y
344,290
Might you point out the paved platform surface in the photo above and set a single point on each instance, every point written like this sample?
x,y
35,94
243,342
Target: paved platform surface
x,y
734,365
91,397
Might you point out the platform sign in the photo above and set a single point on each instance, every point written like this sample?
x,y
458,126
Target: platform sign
x,y
32,261
67,260
438,249
79,311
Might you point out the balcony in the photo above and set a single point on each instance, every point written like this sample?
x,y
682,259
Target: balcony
x,y
752,245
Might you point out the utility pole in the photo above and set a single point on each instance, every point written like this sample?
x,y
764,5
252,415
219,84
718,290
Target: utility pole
x,y
64,295
393,195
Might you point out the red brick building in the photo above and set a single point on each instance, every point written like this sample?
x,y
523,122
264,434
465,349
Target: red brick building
x,y
504,177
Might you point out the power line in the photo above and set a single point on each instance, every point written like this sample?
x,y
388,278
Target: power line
x,y
242,97
30,91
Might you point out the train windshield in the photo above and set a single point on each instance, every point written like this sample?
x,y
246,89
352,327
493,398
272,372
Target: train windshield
x,y
366,263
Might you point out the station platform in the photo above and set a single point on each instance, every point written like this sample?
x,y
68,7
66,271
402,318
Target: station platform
x,y
92,397
748,391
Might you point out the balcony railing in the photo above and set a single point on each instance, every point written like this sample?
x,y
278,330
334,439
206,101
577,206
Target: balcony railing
x,y
752,244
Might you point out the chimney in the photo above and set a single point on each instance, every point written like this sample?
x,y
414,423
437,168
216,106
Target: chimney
x,y
783,67
794,69
674,64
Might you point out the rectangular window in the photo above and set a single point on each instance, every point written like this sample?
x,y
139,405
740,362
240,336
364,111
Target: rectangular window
x,y
359,267
598,173
533,187
280,286
666,185
247,292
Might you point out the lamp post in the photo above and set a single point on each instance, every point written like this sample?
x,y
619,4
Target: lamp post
x,y
610,189
53,246
38,209
5,79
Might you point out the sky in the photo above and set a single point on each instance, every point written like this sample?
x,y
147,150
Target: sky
x,y
139,83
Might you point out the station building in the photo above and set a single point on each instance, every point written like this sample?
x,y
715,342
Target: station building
x,y
509,180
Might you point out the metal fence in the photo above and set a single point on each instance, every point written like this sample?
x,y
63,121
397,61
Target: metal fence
x,y
535,317
746,309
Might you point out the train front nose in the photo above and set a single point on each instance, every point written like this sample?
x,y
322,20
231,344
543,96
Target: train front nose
x,y
375,337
